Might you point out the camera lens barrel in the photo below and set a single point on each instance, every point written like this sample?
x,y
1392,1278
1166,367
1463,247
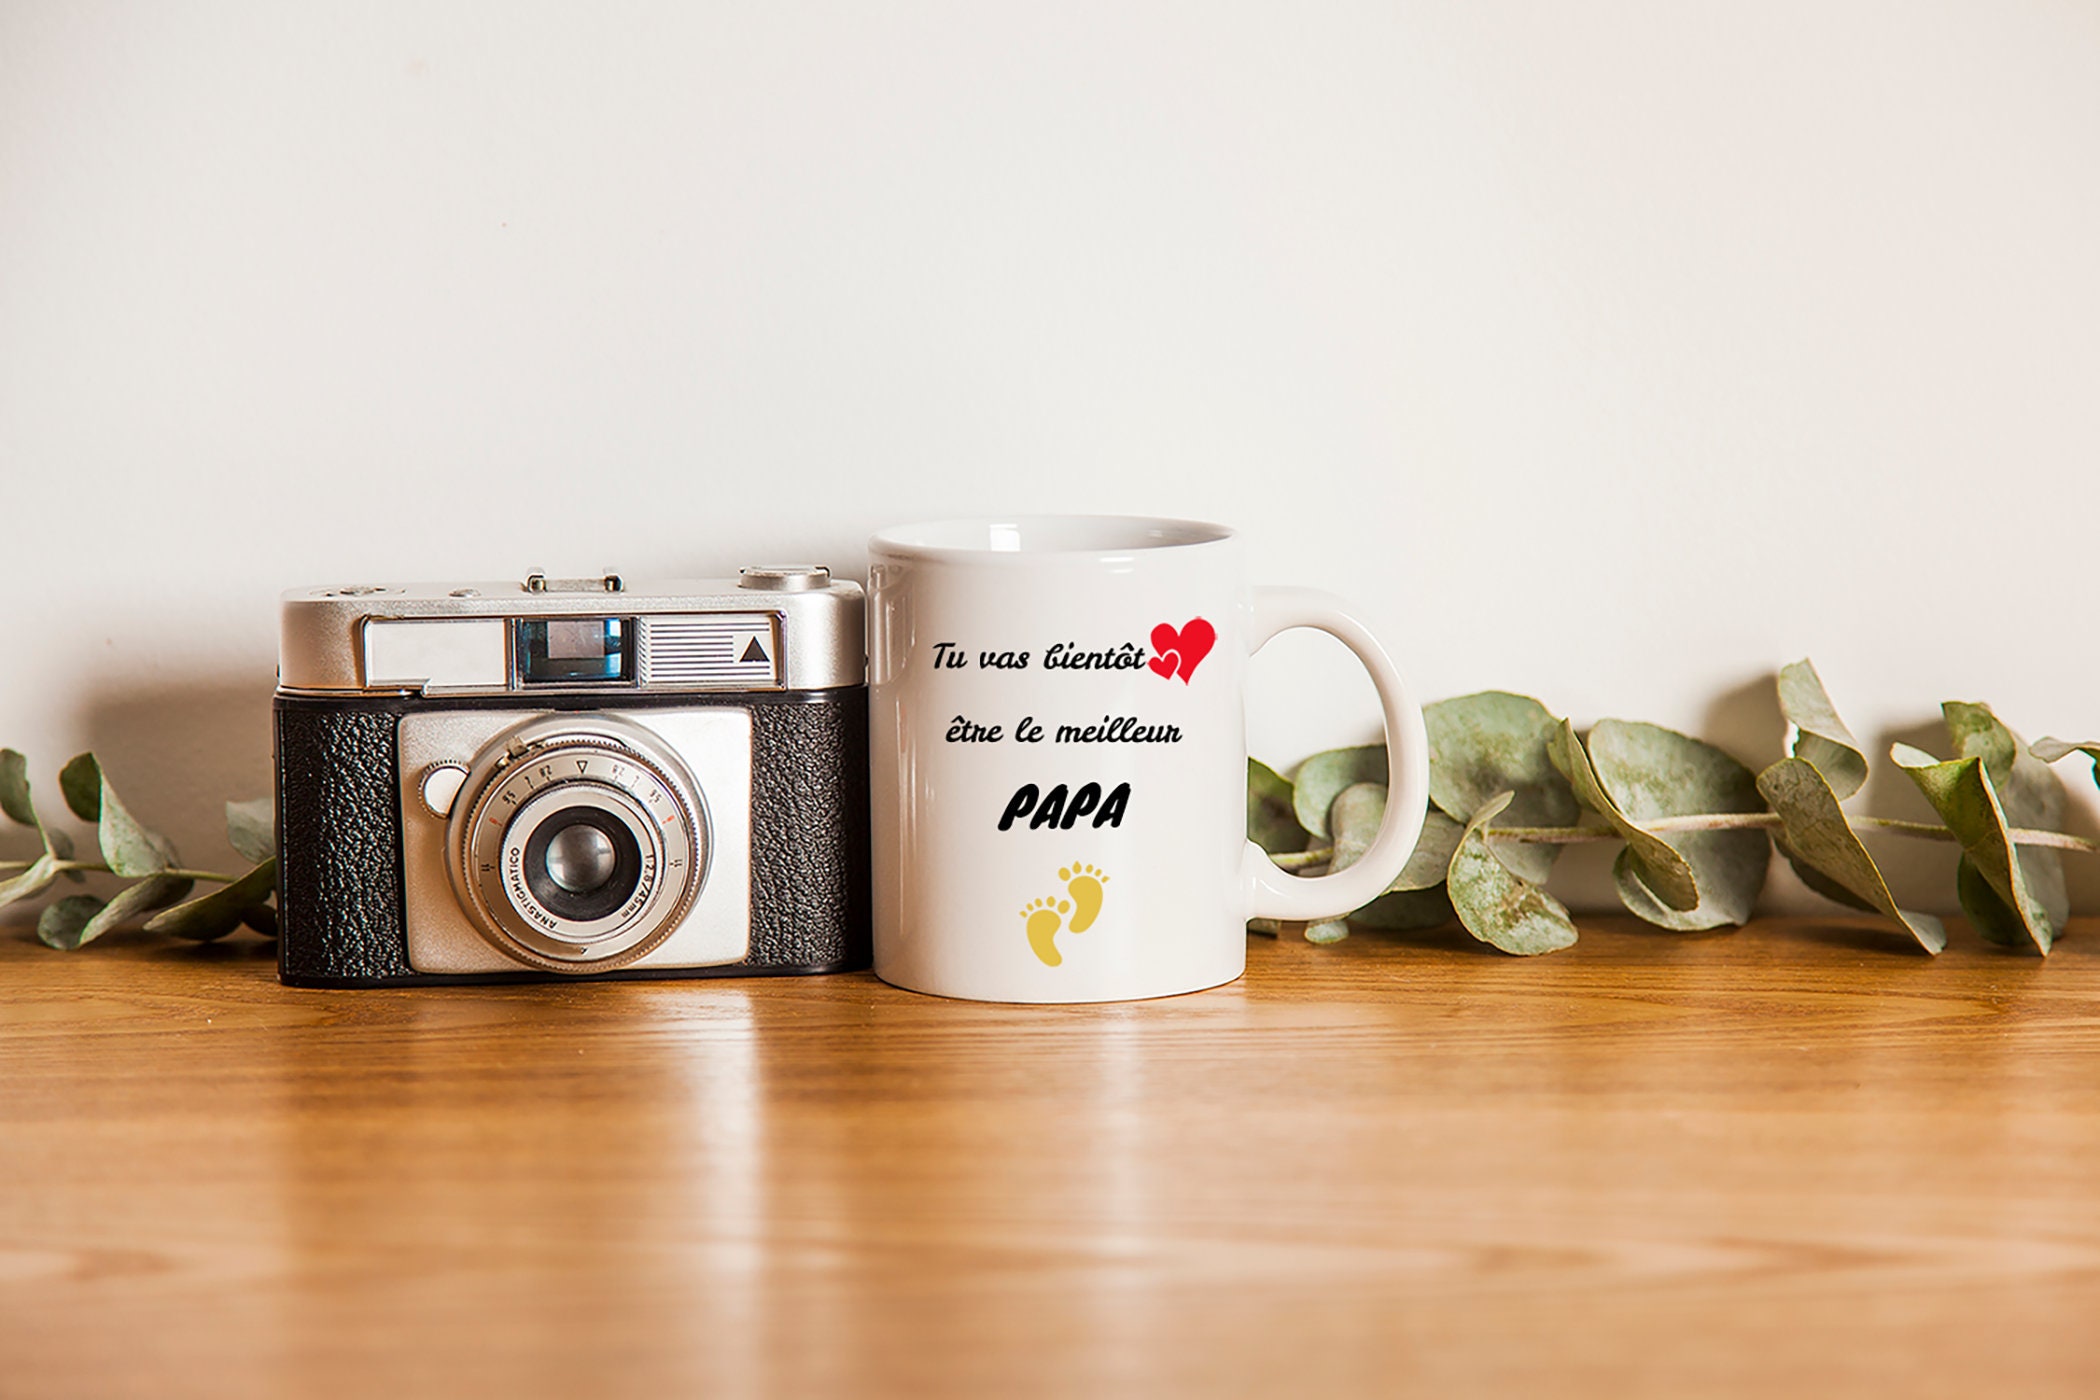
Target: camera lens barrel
x,y
579,843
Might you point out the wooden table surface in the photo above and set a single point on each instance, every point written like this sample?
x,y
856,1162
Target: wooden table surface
x,y
1795,1159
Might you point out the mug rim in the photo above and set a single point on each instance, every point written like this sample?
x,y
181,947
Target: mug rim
x,y
1119,535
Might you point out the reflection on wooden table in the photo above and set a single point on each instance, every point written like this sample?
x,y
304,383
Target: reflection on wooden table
x,y
1793,1158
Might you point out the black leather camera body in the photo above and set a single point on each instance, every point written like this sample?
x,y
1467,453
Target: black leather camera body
x,y
572,779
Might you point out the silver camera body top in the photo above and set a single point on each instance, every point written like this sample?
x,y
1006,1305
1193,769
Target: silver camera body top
x,y
440,639
610,827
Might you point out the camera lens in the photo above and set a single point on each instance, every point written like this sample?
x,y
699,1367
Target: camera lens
x,y
579,842
582,863
580,859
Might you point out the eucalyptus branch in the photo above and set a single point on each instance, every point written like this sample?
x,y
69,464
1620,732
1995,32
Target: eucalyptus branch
x,y
1504,770
1772,821
156,877
173,872
1719,821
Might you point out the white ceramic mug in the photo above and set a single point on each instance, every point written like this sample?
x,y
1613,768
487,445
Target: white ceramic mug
x,y
1059,758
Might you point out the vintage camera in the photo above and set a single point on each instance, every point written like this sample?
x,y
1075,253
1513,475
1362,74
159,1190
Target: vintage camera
x,y
572,777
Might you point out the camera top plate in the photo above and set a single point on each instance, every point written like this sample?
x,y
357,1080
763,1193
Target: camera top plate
x,y
784,627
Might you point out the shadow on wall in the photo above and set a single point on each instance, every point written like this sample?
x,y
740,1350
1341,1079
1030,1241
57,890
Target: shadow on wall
x,y
177,753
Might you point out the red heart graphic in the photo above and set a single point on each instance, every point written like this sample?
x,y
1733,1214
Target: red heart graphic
x,y
1188,647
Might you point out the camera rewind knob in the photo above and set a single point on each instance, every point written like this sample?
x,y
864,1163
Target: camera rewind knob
x,y
784,578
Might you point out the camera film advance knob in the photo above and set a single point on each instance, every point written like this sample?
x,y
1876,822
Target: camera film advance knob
x,y
784,578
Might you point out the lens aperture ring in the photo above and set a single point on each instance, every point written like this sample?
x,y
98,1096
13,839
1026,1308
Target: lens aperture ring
x,y
649,815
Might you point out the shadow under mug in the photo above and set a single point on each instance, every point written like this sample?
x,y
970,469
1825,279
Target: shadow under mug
x,y
1059,758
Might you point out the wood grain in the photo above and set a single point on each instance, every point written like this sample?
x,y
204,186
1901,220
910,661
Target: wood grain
x,y
1794,1159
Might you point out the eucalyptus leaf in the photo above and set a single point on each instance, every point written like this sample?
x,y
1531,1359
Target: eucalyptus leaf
x,y
1494,742
64,920
133,900
1663,870
1819,841
1322,777
222,911
2051,750
40,875
1961,792
1270,824
262,918
2029,792
81,782
1496,905
1327,931
1991,916
59,844
129,847
14,788
253,828
1409,909
1820,737
1354,817
1357,813
1978,734
1653,772
1431,861
16,800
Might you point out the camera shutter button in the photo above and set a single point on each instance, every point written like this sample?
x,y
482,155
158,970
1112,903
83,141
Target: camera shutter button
x,y
440,787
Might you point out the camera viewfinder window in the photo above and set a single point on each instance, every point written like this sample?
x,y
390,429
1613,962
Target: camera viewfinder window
x,y
561,650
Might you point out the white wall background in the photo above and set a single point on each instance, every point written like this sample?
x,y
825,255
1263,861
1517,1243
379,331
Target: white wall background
x,y
1615,352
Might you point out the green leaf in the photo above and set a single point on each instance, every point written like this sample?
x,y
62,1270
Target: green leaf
x,y
81,782
1327,931
130,902
14,788
2029,792
1498,906
1322,777
1663,871
1991,916
2050,750
1431,861
251,827
130,848
1820,737
1961,792
1494,742
1651,773
1409,909
64,920
34,881
1356,816
262,918
1820,842
58,847
61,845
1978,734
222,911
1270,824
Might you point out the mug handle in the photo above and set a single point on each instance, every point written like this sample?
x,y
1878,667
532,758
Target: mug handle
x,y
1274,894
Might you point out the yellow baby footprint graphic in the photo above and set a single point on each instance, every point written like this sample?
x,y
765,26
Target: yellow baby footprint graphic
x,y
1085,889
1044,920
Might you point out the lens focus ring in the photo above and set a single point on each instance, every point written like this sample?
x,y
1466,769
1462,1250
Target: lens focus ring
x,y
582,847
